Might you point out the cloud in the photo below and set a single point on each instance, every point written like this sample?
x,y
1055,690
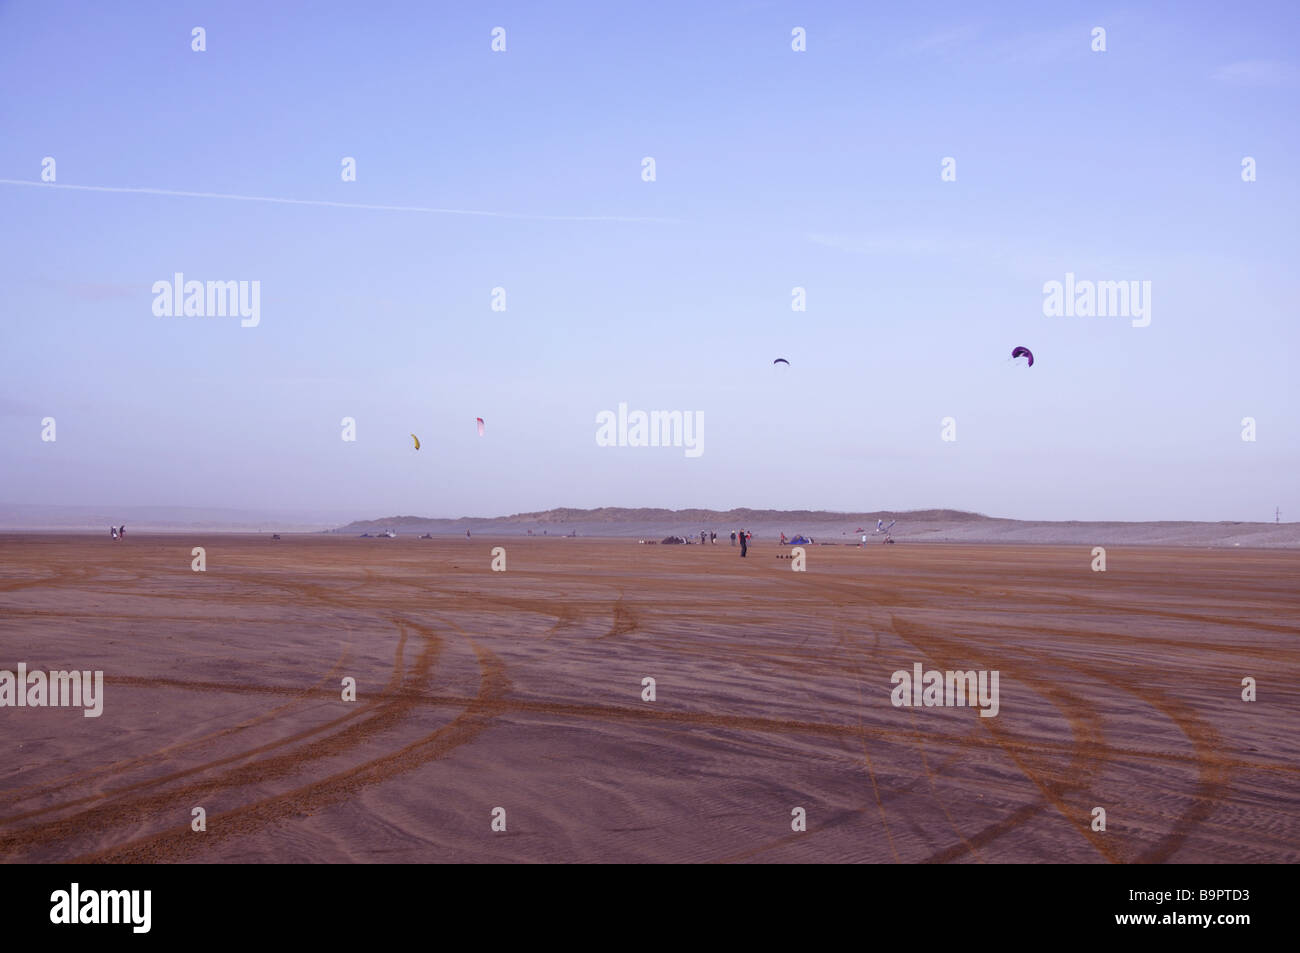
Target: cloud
x,y
16,407
101,291
1047,46
357,205
1257,73
881,244
944,40
1044,47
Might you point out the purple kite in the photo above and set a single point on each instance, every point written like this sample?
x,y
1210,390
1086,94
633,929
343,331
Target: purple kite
x,y
1023,352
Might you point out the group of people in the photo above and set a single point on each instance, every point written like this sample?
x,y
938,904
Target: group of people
x,y
710,538
118,532
705,537
743,537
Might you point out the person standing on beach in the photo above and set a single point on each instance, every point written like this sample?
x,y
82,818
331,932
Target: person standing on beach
x,y
733,537
743,547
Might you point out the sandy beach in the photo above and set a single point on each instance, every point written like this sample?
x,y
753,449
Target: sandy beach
x,y
522,690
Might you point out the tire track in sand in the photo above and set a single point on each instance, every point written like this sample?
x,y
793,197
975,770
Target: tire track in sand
x,y
181,844
1085,724
299,699
377,716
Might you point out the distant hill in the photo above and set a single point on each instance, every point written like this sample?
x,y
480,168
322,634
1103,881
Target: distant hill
x,y
828,527
622,521
913,526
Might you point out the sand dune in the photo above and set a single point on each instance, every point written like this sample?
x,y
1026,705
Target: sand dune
x,y
825,527
523,690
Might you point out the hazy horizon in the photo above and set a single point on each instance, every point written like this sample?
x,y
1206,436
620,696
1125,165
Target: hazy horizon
x,y
775,169
63,518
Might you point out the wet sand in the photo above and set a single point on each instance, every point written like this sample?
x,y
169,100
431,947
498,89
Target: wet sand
x,y
523,690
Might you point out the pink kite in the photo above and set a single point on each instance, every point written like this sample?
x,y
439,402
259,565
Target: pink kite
x,y
480,425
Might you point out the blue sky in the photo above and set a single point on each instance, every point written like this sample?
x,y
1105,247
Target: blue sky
x,y
775,169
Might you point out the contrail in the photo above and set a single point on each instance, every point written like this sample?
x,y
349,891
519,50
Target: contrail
x,y
358,205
